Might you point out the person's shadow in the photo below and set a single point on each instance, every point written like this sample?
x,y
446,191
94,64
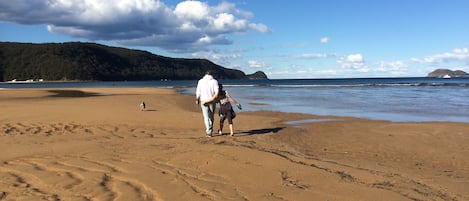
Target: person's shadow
x,y
261,131
150,110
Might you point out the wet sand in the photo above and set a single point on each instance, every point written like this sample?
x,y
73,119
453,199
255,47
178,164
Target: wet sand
x,y
96,144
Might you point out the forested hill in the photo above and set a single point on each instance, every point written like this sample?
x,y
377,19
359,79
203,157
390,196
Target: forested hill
x,y
447,72
91,61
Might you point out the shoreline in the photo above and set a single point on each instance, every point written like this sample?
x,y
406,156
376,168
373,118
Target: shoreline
x,y
399,100
102,147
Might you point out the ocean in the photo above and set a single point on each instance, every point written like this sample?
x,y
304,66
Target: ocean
x,y
418,99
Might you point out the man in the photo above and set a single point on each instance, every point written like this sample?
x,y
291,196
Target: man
x,y
207,88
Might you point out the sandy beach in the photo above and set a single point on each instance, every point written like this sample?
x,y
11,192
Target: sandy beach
x,y
96,144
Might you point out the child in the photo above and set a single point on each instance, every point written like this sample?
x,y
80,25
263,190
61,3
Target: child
x,y
226,110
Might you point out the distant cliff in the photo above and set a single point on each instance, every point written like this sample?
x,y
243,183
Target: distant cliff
x,y
259,75
446,72
91,61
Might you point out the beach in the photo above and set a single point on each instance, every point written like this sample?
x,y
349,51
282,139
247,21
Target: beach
x,y
96,144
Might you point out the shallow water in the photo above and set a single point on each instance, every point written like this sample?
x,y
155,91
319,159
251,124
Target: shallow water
x,y
393,99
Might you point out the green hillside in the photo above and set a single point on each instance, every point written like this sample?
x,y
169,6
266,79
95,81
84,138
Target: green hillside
x,y
91,61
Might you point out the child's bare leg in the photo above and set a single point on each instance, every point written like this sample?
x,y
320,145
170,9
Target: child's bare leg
x,y
231,130
221,128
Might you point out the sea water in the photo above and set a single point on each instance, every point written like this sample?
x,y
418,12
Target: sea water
x,y
393,99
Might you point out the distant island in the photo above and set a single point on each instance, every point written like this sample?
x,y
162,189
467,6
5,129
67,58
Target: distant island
x,y
446,73
95,62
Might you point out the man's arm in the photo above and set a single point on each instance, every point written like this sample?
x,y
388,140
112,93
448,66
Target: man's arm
x,y
231,99
214,89
197,93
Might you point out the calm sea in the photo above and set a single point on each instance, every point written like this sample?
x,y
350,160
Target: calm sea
x,y
394,99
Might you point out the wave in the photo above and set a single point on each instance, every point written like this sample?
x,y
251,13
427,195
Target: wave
x,y
240,85
283,83
352,82
364,85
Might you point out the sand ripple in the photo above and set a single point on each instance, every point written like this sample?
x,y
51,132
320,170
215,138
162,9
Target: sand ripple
x,y
131,163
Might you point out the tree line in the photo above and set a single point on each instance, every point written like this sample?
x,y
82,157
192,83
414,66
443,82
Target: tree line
x,y
95,62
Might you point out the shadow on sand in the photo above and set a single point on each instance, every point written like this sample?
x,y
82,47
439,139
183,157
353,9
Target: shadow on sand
x,y
261,131
72,94
149,110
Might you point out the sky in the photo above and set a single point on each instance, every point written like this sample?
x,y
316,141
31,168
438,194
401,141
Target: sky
x,y
285,39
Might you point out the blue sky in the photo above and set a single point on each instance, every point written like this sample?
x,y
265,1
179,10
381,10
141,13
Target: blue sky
x,y
285,39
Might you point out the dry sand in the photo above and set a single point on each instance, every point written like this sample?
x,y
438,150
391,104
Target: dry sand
x,y
68,145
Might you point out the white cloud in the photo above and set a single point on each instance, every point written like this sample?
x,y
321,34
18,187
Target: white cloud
x,y
328,72
192,10
256,64
205,39
259,27
353,62
224,22
354,58
459,54
316,56
394,68
355,65
324,40
189,26
218,58
300,73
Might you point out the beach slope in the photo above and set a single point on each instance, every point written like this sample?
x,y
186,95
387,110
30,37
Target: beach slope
x,y
96,144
